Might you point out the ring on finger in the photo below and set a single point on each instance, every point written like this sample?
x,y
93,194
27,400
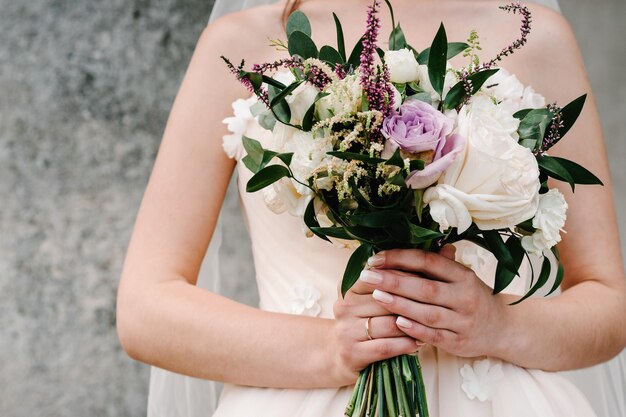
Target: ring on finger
x,y
367,329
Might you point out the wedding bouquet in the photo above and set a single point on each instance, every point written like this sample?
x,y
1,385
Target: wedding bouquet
x,y
386,149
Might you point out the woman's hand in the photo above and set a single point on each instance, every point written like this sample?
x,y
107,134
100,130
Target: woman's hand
x,y
353,350
438,301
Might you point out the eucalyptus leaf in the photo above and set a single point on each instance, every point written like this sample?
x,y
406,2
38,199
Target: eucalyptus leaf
x,y
254,153
298,22
265,177
331,55
302,45
534,125
397,39
356,264
423,96
437,60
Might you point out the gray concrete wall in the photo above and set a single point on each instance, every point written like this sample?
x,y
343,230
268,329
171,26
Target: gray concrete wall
x,y
85,88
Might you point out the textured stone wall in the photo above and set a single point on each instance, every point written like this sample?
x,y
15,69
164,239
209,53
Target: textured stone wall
x,y
85,89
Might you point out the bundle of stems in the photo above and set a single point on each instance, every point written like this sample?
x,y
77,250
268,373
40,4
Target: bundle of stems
x,y
390,388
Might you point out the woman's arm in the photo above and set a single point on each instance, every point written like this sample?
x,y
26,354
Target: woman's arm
x,y
584,325
163,318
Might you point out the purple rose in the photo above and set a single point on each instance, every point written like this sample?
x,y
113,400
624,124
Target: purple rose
x,y
422,132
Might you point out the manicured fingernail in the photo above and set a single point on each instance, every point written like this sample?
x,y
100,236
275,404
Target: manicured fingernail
x,y
382,296
402,322
376,260
371,277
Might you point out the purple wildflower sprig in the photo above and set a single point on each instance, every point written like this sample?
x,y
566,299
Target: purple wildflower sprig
x,y
312,73
554,131
375,78
243,79
525,28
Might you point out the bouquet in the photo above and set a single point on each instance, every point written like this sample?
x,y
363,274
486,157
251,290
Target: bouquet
x,y
387,149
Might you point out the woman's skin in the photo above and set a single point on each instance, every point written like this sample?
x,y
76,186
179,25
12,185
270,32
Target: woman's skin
x,y
164,320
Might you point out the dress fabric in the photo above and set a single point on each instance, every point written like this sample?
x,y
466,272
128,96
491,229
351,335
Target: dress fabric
x,y
300,275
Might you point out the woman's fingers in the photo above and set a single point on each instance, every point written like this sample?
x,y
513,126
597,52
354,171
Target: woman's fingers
x,y
442,338
413,287
378,349
380,327
430,264
429,315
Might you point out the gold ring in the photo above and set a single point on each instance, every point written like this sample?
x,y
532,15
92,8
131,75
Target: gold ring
x,y
367,329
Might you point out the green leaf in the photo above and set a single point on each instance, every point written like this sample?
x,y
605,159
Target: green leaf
x,y
378,219
533,126
254,154
311,221
570,113
309,116
355,266
544,275
522,113
397,40
559,272
421,234
331,55
506,273
423,96
416,165
457,93
554,169
298,22
265,177
396,159
437,60
353,156
280,109
302,45
500,250
285,157
355,56
419,203
454,48
335,232
580,174
271,81
341,43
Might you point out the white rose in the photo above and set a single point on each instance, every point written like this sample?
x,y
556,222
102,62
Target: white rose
x,y
494,182
238,125
344,96
402,66
549,220
309,154
511,94
424,82
300,101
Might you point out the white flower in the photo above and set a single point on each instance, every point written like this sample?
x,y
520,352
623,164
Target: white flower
x,y
397,97
511,94
424,82
344,96
479,379
494,182
402,66
238,125
305,300
548,221
300,101
309,154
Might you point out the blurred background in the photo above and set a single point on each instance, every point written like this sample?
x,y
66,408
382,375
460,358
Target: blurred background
x,y
85,90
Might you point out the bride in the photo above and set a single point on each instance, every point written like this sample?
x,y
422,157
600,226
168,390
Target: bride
x,y
300,352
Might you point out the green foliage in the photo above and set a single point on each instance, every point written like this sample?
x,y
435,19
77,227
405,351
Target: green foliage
x,y
355,266
457,93
302,45
266,177
437,60
341,43
533,126
454,48
570,113
331,56
567,171
298,22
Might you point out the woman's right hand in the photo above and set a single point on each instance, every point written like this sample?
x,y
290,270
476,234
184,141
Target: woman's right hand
x,y
352,350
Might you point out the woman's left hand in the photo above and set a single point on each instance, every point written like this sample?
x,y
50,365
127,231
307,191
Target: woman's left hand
x,y
439,301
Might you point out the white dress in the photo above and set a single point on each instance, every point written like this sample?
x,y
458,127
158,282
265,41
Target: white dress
x,y
299,275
